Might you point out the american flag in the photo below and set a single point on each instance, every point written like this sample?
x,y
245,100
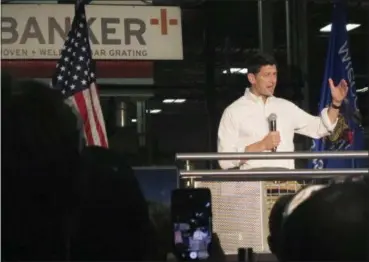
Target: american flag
x,y
75,77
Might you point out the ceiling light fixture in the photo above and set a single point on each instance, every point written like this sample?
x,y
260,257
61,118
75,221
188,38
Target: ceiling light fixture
x,y
349,27
168,101
235,70
173,100
155,111
180,101
133,120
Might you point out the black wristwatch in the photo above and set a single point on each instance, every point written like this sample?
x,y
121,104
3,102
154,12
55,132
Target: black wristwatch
x,y
335,106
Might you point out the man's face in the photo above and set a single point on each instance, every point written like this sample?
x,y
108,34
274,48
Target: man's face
x,y
264,82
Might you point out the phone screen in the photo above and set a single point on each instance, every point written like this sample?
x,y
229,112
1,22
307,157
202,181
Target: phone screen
x,y
192,223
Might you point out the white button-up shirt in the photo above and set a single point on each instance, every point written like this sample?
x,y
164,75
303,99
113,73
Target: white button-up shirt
x,y
245,122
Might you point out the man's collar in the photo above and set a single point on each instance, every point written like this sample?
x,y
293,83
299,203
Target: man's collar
x,y
253,97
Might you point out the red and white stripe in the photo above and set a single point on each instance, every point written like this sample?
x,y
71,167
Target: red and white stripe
x,y
87,104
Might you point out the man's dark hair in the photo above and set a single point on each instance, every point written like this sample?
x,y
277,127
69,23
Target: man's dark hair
x,y
275,223
332,225
259,60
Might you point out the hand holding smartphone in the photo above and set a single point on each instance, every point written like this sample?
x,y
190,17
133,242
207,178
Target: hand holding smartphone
x,y
191,213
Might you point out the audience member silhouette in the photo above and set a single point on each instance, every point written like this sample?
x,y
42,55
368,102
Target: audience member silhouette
x,y
6,85
332,224
58,203
39,168
275,224
114,218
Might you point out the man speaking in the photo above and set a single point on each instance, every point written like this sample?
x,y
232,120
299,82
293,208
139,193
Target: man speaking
x,y
261,122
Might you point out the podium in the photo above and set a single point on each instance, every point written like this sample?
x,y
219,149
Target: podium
x,y
241,211
241,208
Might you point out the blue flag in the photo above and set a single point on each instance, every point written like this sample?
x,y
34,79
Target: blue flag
x,y
348,134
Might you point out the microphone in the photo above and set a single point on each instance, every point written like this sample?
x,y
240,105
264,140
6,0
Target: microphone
x,y
272,119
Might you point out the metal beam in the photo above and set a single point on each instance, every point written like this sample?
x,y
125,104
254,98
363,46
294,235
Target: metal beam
x,y
210,78
265,22
270,175
275,155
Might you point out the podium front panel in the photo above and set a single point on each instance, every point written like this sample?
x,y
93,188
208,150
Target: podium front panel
x,y
241,211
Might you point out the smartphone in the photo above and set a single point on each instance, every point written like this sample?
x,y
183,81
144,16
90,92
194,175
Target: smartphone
x,y
191,213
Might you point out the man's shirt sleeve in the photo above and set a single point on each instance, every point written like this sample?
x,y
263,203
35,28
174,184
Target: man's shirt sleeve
x,y
312,126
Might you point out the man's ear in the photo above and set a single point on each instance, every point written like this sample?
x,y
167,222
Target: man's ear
x,y
252,78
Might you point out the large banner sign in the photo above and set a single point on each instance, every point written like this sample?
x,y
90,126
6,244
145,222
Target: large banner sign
x,y
30,31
